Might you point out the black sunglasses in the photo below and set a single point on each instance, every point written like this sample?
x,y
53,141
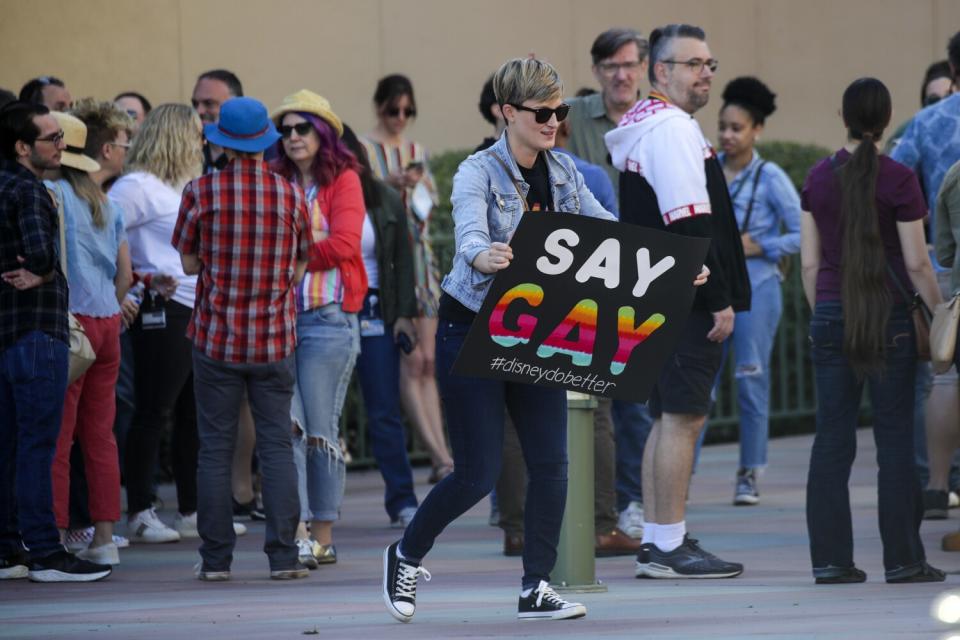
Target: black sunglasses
x,y
302,129
542,114
393,112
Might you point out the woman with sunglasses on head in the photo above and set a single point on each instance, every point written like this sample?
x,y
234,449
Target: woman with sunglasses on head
x,y
403,164
312,155
863,254
487,209
767,209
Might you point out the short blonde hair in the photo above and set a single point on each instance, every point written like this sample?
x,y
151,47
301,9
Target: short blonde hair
x,y
523,79
168,145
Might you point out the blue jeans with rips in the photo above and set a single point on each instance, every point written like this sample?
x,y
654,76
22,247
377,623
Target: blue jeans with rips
x,y
328,341
33,383
834,447
474,408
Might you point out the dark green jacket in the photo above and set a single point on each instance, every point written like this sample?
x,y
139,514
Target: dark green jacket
x,y
398,297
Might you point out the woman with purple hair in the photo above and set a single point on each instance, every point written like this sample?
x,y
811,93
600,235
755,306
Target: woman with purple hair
x,y
312,155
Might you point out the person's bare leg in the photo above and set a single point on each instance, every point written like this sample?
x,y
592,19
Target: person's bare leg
x,y
648,477
322,531
241,478
427,335
412,370
102,533
673,463
943,436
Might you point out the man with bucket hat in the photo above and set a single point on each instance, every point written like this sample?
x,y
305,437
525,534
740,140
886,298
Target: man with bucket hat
x,y
244,230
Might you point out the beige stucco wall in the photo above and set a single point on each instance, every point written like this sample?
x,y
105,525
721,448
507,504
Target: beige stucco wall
x,y
807,50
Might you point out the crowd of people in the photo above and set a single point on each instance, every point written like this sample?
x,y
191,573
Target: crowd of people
x,y
232,266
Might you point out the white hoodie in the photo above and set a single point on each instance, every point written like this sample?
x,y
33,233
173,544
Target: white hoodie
x,y
664,144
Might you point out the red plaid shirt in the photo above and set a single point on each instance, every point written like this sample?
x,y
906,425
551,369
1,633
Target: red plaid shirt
x,y
249,227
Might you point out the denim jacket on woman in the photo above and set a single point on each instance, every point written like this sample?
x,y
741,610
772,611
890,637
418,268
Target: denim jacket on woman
x,y
487,208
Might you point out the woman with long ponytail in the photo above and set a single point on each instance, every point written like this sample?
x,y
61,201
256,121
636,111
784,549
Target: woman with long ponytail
x,y
863,254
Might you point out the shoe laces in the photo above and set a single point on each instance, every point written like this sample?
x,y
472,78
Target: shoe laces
x,y
545,592
407,575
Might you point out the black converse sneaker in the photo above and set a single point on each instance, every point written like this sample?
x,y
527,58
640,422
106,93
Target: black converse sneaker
x,y
543,603
688,561
400,583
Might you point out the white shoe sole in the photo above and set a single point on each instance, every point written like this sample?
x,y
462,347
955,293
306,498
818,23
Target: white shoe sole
x,y
53,575
663,572
15,572
641,570
744,501
577,611
100,556
386,594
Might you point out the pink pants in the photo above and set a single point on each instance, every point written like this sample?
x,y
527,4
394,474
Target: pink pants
x,y
88,414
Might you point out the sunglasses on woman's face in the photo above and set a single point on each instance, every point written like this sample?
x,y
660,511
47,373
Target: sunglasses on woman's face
x,y
302,129
542,114
393,112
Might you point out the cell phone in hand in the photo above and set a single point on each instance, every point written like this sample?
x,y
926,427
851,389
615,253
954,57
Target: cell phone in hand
x,y
403,341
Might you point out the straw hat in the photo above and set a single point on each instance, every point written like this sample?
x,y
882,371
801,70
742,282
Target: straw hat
x,y
306,101
75,137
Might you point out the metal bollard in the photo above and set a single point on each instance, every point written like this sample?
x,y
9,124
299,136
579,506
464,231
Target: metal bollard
x,y
576,567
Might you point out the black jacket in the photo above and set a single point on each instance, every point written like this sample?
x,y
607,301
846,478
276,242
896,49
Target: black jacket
x,y
398,298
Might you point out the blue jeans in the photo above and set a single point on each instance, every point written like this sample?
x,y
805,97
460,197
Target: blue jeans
x,y
754,332
378,369
328,341
474,408
219,388
33,382
834,447
632,424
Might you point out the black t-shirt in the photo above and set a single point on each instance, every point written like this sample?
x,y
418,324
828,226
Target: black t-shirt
x,y
538,197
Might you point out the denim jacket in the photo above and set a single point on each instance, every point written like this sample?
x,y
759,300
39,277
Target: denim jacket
x,y
487,208
775,220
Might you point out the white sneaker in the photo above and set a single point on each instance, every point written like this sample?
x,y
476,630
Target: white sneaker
x,y
104,554
80,539
631,520
146,527
186,526
953,500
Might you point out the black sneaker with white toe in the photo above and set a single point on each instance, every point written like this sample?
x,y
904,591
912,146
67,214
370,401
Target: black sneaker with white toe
x,y
400,583
688,561
543,603
63,566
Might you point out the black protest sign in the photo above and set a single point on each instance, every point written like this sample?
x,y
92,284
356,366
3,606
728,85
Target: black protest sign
x,y
588,305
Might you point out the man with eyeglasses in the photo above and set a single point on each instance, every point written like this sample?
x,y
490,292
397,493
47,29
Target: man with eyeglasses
x,y
619,62
212,89
33,351
620,428
671,180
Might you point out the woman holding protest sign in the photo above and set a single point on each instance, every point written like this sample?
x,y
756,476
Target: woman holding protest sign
x,y
492,190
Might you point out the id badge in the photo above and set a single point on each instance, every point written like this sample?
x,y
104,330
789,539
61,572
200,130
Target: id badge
x,y
155,316
154,319
371,324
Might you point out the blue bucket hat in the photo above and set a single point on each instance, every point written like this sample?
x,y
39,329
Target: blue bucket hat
x,y
244,126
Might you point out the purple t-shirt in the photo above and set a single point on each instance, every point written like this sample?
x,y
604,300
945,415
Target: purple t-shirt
x,y
899,199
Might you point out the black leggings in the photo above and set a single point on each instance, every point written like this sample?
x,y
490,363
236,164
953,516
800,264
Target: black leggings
x,y
164,391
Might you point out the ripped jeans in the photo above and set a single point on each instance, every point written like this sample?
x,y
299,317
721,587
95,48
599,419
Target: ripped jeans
x,y
754,332
328,341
